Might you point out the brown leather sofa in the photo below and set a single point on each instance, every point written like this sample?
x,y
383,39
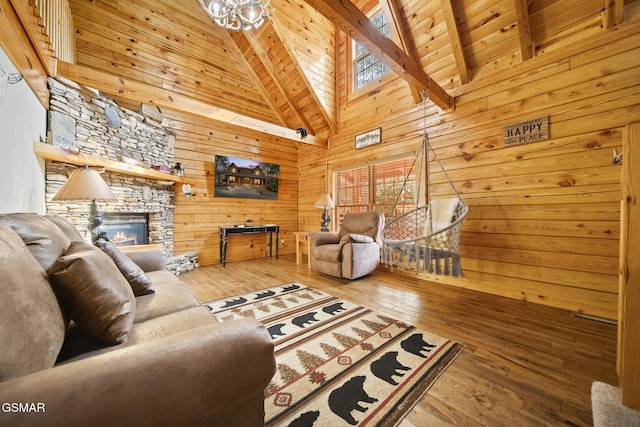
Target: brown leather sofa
x,y
352,252
89,336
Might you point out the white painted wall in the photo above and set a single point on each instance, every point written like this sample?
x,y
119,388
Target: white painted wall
x,y
23,120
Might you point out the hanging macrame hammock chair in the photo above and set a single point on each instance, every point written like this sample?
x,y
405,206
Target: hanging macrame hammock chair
x,y
428,237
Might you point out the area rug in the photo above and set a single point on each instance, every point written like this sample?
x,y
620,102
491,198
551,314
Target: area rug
x,y
339,363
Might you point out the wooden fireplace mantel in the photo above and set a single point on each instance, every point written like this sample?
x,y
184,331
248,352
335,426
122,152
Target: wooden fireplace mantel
x,y
59,154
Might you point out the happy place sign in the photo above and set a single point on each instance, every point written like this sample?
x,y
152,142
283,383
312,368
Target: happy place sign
x,y
529,131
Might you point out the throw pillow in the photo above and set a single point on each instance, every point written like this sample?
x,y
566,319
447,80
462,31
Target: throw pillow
x,y
355,238
139,281
31,322
94,293
45,241
67,227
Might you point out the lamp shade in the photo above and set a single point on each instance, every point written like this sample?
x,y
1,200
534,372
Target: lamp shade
x,y
85,184
324,202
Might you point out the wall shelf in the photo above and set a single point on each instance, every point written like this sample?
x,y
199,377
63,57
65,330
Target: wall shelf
x,y
59,154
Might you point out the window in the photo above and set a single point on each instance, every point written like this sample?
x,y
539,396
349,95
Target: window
x,y
394,184
352,191
376,187
368,68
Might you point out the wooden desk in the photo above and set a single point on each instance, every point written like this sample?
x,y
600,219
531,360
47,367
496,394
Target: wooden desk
x,y
301,237
225,232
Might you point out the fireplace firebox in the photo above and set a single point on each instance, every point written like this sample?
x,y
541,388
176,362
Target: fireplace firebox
x,y
126,229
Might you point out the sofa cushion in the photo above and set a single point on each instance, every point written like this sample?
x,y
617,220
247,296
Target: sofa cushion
x,y
32,326
140,283
67,227
45,241
171,295
79,346
94,293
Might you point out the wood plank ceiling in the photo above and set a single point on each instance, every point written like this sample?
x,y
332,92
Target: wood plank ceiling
x,y
283,75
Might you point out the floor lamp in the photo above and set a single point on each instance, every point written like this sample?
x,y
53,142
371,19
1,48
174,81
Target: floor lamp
x,y
87,184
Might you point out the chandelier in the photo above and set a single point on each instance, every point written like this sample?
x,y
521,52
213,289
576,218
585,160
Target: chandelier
x,y
237,14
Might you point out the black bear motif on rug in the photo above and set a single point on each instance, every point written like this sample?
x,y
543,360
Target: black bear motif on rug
x,y
415,344
346,398
388,366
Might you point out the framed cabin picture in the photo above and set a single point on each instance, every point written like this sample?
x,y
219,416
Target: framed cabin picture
x,y
369,138
248,179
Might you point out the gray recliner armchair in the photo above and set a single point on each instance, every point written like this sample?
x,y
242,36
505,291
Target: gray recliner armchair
x,y
351,253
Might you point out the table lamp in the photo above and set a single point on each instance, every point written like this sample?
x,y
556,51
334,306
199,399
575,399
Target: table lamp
x,y
87,184
324,202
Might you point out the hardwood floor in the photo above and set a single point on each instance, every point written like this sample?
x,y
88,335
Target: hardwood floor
x,y
523,365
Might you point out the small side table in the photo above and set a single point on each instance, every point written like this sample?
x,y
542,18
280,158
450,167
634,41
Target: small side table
x,y
301,237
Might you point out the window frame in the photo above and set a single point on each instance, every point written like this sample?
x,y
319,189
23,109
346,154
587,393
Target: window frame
x,y
372,203
355,45
352,91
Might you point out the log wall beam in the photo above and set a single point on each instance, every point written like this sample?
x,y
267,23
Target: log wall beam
x,y
141,92
524,29
401,33
613,13
629,280
456,44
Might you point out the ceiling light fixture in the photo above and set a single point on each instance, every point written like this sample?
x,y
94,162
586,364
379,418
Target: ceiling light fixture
x,y
237,14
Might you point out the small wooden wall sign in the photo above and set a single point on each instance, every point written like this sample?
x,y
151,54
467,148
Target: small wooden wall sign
x,y
369,138
528,131
151,112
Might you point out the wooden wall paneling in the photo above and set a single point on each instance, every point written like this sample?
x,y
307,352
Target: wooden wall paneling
x,y
168,51
589,47
316,91
197,218
571,35
260,64
556,17
543,222
304,36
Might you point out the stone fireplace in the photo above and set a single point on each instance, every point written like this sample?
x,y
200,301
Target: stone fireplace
x,y
122,137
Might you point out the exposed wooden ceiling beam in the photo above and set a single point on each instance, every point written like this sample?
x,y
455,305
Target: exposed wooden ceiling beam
x,y
32,24
357,25
277,78
456,44
613,13
399,29
524,29
15,42
142,92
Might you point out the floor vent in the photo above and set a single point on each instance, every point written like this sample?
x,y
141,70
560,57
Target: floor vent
x,y
594,319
